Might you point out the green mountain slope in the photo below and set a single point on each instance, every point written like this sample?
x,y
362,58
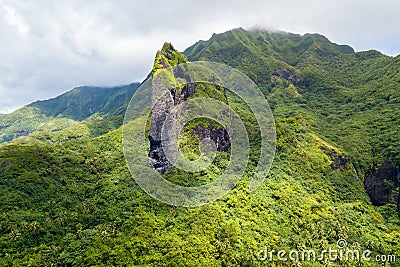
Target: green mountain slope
x,y
348,98
74,203
65,110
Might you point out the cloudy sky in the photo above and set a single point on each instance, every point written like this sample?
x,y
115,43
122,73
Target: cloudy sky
x,y
48,47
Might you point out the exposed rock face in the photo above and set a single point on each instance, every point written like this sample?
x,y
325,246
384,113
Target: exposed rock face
x,y
161,108
22,133
219,136
398,203
339,162
380,183
164,102
288,75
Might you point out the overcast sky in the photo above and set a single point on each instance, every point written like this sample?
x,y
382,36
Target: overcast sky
x,y
48,47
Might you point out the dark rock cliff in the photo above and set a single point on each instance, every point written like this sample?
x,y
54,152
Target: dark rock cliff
x,y
288,75
165,101
382,183
219,136
339,162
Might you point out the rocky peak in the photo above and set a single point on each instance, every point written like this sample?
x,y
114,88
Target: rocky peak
x,y
165,101
166,57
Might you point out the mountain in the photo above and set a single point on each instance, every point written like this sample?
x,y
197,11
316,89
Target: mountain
x,y
65,110
82,102
68,198
351,99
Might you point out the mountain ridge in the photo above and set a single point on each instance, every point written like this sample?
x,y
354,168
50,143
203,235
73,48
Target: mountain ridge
x,y
327,83
78,104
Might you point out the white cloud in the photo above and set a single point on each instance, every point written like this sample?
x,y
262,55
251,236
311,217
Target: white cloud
x,y
48,47
14,19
